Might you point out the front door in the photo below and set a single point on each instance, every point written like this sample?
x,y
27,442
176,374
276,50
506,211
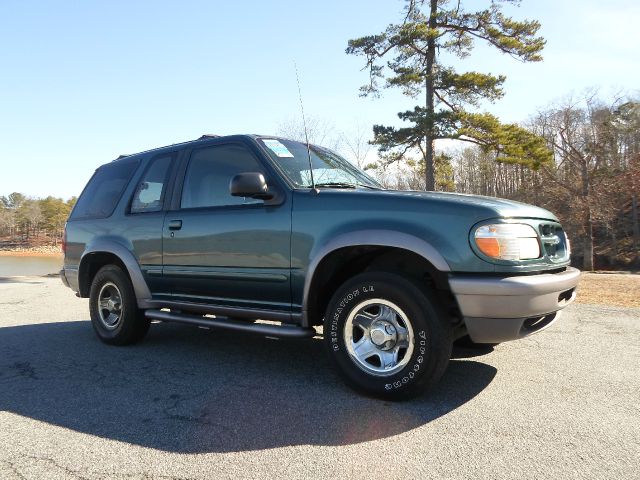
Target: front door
x,y
226,250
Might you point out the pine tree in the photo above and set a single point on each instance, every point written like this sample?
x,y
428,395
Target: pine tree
x,y
429,28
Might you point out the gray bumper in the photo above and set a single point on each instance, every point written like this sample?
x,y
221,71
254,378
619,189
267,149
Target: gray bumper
x,y
69,277
500,309
63,277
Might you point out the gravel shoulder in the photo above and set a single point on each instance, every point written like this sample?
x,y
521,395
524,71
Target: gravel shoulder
x,y
194,403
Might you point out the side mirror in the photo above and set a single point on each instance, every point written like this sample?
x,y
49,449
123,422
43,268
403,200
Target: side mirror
x,y
250,184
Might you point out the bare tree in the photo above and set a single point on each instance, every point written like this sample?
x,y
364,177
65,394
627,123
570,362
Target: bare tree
x,y
320,131
30,214
593,183
7,221
574,130
356,143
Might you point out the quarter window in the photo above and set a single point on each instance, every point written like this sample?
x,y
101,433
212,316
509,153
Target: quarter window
x,y
209,173
100,196
149,195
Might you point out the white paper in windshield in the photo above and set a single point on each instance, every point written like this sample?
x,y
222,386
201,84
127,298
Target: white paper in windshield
x,y
278,148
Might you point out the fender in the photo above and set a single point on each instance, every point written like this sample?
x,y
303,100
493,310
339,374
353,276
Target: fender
x,y
104,245
383,238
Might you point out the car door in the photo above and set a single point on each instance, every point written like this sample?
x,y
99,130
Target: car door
x,y
144,220
225,250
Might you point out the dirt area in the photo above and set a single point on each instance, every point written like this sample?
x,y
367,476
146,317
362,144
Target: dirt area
x,y
612,289
33,247
31,253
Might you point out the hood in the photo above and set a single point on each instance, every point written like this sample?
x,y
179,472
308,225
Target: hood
x,y
487,207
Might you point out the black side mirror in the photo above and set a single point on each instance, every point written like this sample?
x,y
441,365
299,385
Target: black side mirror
x,y
250,184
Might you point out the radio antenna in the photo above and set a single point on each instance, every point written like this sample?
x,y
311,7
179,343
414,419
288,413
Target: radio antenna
x,y
304,124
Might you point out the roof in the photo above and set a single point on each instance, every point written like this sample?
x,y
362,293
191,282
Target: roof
x,y
205,137
202,138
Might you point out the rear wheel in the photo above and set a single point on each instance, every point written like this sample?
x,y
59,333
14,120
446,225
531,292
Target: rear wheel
x,y
115,316
386,336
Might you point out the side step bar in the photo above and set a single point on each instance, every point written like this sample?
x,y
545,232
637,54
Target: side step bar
x,y
280,331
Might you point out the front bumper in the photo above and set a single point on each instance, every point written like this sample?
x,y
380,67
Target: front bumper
x,y
500,309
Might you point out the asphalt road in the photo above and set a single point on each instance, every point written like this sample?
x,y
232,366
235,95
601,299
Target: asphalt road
x,y
194,403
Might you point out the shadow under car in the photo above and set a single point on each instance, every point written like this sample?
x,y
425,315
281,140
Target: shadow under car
x,y
191,390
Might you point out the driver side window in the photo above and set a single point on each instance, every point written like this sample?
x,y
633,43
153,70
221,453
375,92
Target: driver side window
x,y
210,170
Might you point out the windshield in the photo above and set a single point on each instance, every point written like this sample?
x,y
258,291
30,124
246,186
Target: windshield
x,y
329,169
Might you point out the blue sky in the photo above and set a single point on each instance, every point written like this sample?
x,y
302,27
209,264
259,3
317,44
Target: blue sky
x,y
84,81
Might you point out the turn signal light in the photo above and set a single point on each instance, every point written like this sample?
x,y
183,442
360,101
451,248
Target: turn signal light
x,y
508,241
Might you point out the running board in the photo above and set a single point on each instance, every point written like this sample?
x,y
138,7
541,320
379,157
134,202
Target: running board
x,y
280,331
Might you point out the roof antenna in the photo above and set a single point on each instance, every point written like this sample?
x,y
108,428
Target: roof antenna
x,y
306,135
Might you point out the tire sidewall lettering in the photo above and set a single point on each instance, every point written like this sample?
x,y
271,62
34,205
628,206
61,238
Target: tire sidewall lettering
x,y
411,369
342,306
410,372
430,342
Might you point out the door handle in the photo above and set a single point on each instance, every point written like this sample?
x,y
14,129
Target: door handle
x,y
175,224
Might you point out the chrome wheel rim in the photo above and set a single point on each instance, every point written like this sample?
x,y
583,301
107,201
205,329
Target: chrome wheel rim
x,y
379,337
110,306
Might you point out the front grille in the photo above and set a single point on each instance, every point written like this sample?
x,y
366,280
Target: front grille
x,y
554,241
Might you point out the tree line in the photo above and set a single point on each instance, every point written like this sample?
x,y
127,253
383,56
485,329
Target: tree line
x,y
592,182
24,219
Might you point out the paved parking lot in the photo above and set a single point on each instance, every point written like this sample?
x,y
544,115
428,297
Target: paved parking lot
x,y
194,403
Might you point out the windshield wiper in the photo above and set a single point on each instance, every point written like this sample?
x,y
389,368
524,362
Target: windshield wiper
x,y
336,185
345,185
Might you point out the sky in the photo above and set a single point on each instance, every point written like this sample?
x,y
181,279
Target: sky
x,y
82,82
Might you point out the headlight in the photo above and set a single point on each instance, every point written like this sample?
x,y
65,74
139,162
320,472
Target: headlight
x,y
508,241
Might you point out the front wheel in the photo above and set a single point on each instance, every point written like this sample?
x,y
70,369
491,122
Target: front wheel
x,y
386,336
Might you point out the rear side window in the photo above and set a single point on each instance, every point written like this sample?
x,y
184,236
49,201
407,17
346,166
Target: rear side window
x,y
103,191
149,196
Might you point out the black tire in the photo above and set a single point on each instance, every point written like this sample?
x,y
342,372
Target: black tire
x,y
417,368
111,283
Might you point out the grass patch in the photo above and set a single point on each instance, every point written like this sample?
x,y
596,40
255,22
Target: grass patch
x,y
614,289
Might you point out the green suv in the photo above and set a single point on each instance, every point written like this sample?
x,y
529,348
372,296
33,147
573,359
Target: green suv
x,y
263,234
